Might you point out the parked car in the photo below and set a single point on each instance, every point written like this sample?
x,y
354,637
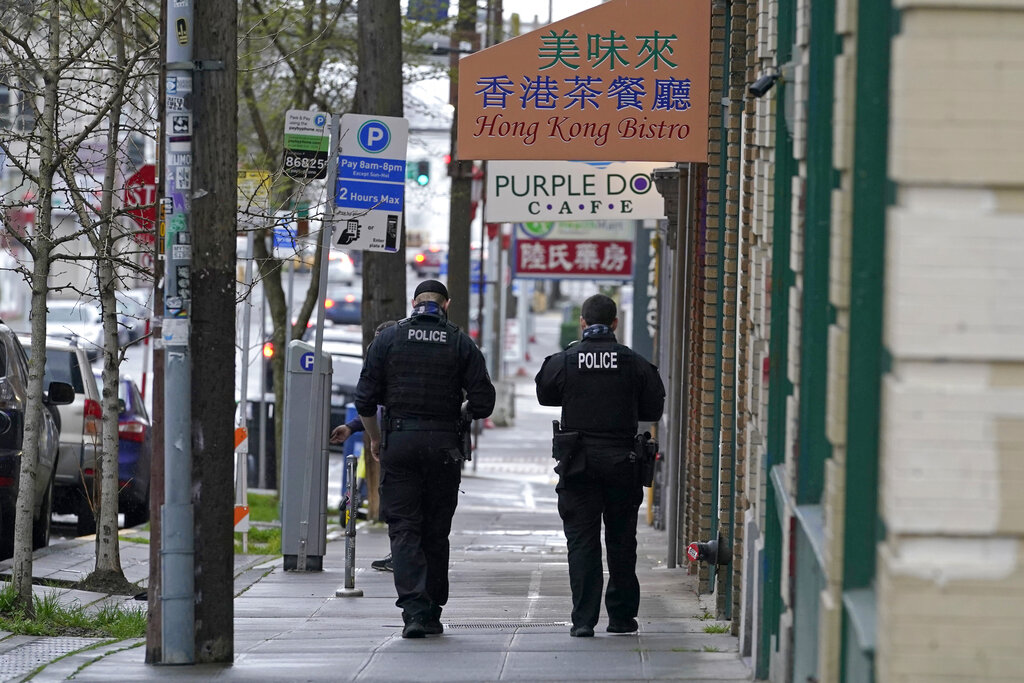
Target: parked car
x,y
134,452
13,406
70,319
343,304
66,361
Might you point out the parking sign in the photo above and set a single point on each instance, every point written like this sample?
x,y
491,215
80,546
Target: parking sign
x,y
370,192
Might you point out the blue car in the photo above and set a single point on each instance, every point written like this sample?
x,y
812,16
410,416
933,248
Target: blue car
x,y
134,452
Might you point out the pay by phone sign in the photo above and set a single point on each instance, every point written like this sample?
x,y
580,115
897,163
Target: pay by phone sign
x,y
369,196
306,144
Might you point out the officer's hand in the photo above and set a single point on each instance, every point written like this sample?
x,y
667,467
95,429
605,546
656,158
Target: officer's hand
x,y
340,433
375,449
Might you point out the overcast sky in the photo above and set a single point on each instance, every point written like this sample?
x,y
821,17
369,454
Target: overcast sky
x,y
560,9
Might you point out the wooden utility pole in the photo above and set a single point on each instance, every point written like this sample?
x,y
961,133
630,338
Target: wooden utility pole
x,y
213,195
379,91
461,172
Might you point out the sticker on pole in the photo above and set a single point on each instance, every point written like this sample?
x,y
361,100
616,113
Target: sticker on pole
x,y
369,196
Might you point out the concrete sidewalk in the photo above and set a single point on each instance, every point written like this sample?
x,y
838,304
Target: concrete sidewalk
x,y
507,617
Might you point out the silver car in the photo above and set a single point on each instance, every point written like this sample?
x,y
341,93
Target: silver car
x,y
80,432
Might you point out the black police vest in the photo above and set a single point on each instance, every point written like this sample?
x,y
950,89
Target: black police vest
x,y
423,370
600,390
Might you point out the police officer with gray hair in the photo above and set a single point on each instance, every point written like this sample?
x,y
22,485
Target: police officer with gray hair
x,y
604,389
421,370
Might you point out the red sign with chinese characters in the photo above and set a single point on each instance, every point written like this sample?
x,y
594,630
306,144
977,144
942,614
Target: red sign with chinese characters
x,y
627,80
140,202
592,260
593,250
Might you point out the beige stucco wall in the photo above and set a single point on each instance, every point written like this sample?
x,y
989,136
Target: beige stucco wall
x,y
951,571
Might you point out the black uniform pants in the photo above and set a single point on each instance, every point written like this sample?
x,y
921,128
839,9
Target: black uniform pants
x,y
419,491
608,490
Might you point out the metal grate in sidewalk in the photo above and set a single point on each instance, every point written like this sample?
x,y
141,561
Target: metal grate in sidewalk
x,y
506,624
28,657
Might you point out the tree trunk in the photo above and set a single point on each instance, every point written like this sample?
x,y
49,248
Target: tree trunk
x,y
461,171
40,247
108,552
108,557
213,327
379,91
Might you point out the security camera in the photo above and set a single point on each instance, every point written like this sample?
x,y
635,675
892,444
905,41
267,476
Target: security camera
x,y
664,179
762,85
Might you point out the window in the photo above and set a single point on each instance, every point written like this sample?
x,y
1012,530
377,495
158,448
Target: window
x,y
62,366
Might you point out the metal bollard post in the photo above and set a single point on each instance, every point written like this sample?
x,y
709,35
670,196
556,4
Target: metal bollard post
x,y
350,590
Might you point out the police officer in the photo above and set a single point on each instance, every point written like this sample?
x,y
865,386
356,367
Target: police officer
x,y
604,388
421,370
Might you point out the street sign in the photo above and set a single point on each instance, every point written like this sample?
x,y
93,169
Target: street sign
x,y
140,201
370,193
592,250
284,238
623,81
306,144
253,191
571,190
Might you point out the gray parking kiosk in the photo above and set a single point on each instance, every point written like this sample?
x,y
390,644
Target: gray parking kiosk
x,y
304,464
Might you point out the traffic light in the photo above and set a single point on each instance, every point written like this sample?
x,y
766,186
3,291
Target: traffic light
x,y
422,176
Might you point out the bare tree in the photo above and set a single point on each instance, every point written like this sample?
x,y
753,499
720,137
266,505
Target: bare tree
x,y
72,86
307,55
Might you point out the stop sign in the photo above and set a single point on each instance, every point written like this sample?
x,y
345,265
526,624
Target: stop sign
x,y
140,202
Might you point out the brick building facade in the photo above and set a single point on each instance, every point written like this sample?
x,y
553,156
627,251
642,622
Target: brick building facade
x,y
850,366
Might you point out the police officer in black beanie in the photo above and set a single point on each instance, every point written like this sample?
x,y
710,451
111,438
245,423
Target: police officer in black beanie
x,y
604,389
421,370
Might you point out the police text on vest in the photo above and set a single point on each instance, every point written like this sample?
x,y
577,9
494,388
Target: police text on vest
x,y
436,336
598,360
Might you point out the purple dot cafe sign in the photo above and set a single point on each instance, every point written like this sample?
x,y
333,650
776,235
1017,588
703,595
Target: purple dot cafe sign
x,y
571,191
624,81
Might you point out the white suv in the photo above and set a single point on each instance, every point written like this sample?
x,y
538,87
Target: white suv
x,y
80,431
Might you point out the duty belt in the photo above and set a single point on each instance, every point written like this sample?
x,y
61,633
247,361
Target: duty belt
x,y
411,424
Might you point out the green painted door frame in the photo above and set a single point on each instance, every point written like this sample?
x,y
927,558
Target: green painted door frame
x,y
779,386
816,312
861,525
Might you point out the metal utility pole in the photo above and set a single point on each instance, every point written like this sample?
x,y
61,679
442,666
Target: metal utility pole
x,y
176,563
200,187
461,172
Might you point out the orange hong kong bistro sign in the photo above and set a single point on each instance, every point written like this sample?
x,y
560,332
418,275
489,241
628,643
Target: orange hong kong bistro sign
x,y
624,81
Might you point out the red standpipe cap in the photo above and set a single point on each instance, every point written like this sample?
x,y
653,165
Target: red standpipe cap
x,y
693,552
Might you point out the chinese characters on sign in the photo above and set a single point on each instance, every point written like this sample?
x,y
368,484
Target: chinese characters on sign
x,y
627,80
601,250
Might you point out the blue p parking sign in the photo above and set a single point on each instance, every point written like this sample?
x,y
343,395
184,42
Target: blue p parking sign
x,y
306,361
374,136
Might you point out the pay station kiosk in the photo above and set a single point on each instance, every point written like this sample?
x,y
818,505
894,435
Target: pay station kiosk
x,y
304,466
